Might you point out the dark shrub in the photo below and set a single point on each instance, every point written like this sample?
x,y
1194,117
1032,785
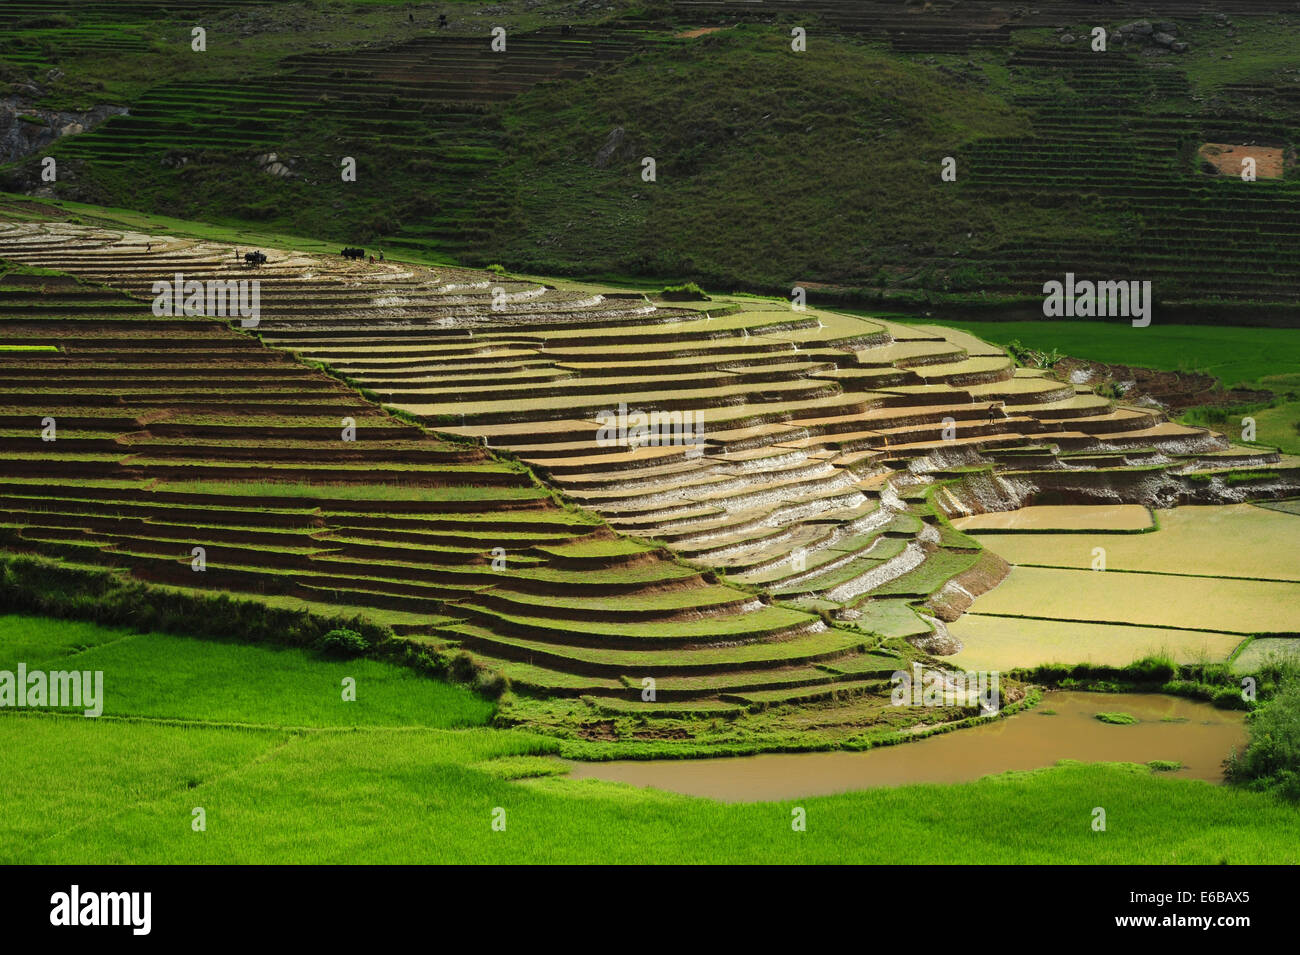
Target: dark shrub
x,y
343,644
491,684
1154,669
1229,698
1051,673
463,667
1271,761
689,292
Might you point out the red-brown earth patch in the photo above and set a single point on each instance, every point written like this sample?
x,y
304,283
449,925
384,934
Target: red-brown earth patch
x,y
1226,159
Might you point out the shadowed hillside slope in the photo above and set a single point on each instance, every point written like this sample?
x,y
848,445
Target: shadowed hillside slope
x,y
772,167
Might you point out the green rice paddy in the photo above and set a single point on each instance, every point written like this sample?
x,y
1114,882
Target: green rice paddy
x,y
282,779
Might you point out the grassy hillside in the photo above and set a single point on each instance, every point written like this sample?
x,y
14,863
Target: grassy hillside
x,y
1233,355
101,54
773,167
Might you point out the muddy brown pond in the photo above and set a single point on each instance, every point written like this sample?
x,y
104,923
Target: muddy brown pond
x,y
1169,728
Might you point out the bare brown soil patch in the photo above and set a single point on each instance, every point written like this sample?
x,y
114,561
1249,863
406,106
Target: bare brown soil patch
x,y
598,729
1226,159
698,31
1174,390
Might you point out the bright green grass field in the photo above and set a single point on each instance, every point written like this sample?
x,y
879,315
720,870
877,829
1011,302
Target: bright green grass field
x,y
168,677
1233,354
1279,425
117,790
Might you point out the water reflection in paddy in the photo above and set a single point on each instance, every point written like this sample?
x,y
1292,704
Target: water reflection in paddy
x,y
1170,728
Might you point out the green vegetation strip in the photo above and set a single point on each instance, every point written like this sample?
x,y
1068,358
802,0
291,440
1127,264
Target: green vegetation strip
x,y
121,790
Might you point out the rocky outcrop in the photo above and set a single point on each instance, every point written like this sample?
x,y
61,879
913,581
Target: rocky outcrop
x,y
616,146
1144,33
27,129
272,165
938,642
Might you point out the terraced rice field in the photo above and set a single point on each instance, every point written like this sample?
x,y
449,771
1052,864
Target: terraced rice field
x,y
1265,650
1197,588
805,464
1004,643
1233,540
426,96
1246,606
172,434
574,521
1121,517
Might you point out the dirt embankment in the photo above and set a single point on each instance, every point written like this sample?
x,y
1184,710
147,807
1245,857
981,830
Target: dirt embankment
x,y
956,596
1175,391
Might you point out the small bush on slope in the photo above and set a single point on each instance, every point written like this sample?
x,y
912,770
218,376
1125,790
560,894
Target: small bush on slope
x,y
1271,761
